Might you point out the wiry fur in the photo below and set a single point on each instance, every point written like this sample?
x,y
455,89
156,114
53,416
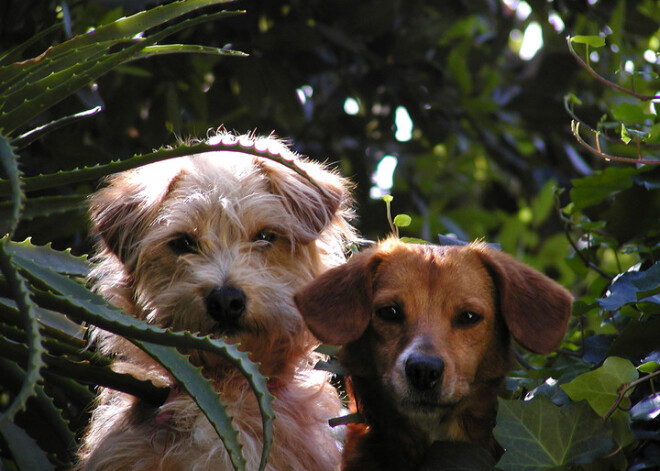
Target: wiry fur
x,y
223,202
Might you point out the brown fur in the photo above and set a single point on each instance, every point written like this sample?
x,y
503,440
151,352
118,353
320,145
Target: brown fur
x,y
432,372
172,233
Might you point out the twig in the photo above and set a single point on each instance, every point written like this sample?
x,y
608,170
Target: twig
x,y
623,390
586,262
575,127
602,79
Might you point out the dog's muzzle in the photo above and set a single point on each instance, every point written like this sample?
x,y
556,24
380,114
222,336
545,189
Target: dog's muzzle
x,y
424,372
226,305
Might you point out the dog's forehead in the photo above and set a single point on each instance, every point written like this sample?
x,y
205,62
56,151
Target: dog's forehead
x,y
432,266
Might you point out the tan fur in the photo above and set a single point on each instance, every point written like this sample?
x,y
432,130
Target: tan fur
x,y
433,372
222,201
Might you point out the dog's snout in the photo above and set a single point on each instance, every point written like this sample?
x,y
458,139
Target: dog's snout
x,y
424,372
226,304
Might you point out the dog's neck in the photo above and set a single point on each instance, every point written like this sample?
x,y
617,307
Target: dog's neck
x,y
398,443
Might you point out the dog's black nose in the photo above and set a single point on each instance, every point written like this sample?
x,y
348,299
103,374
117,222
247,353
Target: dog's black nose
x,y
424,372
226,304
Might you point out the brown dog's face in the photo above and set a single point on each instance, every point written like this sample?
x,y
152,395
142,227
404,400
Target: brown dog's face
x,y
429,325
217,244
429,337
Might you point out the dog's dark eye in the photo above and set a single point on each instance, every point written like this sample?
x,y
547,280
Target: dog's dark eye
x,y
467,319
183,244
390,313
265,236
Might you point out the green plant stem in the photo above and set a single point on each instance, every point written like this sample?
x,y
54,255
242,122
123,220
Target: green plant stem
x,y
602,79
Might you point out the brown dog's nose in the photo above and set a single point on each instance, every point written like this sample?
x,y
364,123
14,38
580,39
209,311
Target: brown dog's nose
x,y
226,304
424,372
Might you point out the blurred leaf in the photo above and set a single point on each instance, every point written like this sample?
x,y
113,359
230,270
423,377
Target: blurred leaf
x,y
589,191
629,113
593,41
646,409
537,435
402,220
648,367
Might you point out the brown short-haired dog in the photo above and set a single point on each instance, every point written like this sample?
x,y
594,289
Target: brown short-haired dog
x,y
217,243
426,342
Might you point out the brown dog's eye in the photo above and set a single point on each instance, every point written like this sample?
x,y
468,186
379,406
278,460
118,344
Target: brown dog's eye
x,y
467,319
390,313
183,244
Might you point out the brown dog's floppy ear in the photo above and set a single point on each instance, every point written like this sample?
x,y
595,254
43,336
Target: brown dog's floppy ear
x,y
313,208
121,211
337,305
536,309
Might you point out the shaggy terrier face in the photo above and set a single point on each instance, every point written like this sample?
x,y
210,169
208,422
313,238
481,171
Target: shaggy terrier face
x,y
217,244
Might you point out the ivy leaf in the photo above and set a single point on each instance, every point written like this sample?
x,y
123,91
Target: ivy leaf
x,y
629,113
589,191
537,435
632,287
599,387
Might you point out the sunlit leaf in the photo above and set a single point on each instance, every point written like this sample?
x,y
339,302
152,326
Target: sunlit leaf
x,y
599,387
593,41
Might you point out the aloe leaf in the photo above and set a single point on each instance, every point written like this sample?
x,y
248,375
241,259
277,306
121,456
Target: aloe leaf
x,y
85,306
201,390
123,29
231,144
27,454
46,206
15,83
20,292
83,372
55,324
159,50
57,86
9,162
27,138
44,255
14,54
43,404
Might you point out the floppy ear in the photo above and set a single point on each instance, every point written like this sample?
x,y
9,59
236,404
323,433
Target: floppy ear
x,y
123,210
337,305
313,209
536,309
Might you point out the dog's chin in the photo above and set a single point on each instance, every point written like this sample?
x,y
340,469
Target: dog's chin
x,y
416,406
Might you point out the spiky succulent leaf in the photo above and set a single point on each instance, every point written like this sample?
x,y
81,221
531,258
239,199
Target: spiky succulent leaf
x,y
70,297
18,288
231,144
201,390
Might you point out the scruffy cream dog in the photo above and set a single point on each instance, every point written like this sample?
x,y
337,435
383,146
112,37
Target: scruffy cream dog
x,y
217,243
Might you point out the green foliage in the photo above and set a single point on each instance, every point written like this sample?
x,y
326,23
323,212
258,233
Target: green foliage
x,y
539,435
491,157
44,365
